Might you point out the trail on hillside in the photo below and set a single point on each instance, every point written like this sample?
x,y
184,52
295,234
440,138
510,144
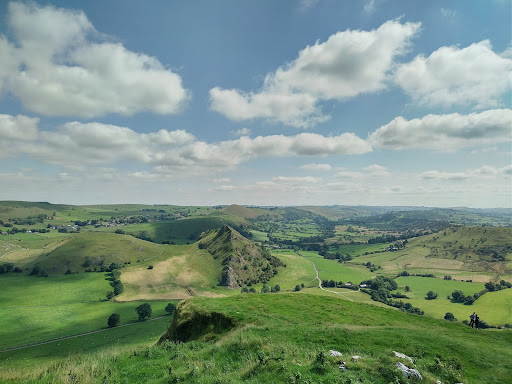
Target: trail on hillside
x,y
320,281
153,257
72,336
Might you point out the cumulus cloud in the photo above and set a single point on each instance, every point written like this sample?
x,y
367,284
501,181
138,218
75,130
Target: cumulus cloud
x,y
377,170
474,76
484,172
316,167
445,132
348,64
76,143
242,132
56,68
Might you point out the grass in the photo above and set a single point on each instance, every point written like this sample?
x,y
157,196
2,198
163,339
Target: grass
x,y
298,270
35,309
285,338
134,335
332,270
493,307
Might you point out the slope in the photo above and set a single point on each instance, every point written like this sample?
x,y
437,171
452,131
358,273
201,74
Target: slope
x,y
243,262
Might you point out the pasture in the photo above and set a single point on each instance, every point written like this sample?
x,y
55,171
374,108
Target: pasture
x,y
35,309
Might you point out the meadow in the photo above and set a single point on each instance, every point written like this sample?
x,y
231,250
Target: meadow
x,y
286,338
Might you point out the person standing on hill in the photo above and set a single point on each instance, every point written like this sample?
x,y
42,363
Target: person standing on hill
x,y
472,318
476,321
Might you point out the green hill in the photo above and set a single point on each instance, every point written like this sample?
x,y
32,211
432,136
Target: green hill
x,y
243,262
91,250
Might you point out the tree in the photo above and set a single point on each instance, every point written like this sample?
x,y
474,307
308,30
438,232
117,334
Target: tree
x,y
110,295
491,287
431,295
265,288
407,288
458,296
144,311
297,288
170,308
449,316
114,320
277,288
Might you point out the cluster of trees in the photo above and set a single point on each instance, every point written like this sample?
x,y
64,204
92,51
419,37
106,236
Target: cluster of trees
x,y
144,312
9,267
15,230
38,271
264,289
336,284
30,220
336,256
115,282
491,287
459,297
371,267
405,273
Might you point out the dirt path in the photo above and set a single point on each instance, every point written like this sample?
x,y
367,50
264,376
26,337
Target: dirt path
x,y
152,257
71,336
320,281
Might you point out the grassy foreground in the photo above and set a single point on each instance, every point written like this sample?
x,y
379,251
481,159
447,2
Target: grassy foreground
x,y
285,338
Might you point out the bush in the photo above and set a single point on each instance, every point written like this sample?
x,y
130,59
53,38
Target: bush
x,y
144,311
449,316
431,295
114,320
297,288
170,308
150,267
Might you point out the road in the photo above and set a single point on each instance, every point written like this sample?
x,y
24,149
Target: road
x,y
320,281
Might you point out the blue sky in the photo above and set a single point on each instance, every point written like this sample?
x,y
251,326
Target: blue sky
x,y
256,102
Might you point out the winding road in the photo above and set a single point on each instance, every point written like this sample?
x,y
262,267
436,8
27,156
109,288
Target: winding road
x,y
320,281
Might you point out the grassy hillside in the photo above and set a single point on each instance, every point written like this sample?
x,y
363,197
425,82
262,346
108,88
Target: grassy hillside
x,y
285,338
90,250
178,273
242,261
468,253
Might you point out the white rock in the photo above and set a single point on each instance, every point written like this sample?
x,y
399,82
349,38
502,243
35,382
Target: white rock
x,y
356,358
401,355
408,372
335,353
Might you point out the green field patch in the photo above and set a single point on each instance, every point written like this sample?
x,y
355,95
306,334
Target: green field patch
x,y
298,270
332,270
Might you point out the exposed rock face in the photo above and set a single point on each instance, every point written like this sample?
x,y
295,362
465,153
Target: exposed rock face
x,y
409,372
189,324
243,261
402,356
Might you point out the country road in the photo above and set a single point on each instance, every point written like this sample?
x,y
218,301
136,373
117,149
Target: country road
x,y
72,336
320,281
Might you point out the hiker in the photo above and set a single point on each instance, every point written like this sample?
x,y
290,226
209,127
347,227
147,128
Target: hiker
x,y
476,321
472,318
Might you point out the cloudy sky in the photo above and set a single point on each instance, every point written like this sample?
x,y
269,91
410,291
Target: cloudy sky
x,y
315,102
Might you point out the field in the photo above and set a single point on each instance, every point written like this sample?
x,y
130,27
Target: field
x,y
36,309
279,338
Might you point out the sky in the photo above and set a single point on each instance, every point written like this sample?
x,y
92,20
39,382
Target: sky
x,y
312,102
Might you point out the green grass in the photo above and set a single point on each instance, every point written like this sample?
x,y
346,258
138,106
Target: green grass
x,y
493,307
298,270
35,309
134,335
332,270
277,338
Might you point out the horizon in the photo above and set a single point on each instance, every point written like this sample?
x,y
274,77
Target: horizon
x,y
373,104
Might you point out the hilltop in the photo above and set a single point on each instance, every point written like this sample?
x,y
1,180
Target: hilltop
x,y
244,263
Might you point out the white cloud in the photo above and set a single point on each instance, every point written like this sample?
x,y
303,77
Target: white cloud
x,y
445,132
348,64
474,75
377,170
484,172
242,132
316,167
449,13
18,127
369,7
55,70
74,144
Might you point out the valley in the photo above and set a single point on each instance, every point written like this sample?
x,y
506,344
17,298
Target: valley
x,y
66,269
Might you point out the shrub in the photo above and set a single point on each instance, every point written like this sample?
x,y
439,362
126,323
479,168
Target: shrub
x,y
431,295
297,288
150,267
114,320
449,316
